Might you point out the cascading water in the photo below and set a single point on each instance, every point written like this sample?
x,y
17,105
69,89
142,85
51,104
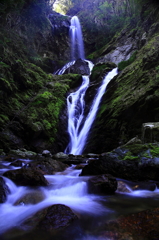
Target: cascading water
x,y
77,46
75,102
78,131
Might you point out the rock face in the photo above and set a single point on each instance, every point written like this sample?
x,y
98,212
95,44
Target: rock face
x,y
35,42
131,100
122,52
102,184
4,190
101,20
26,177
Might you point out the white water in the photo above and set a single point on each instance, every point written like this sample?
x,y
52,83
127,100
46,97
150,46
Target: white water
x,y
65,188
77,46
71,190
75,103
79,125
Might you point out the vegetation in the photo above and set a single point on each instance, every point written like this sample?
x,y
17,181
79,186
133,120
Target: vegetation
x,y
124,64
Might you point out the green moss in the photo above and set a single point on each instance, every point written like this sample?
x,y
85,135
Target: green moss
x,y
155,151
137,149
129,156
3,119
124,64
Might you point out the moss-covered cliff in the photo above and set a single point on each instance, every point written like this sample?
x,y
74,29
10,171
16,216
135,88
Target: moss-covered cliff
x,y
132,97
33,44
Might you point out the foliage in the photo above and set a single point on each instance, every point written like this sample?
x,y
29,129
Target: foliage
x,y
62,6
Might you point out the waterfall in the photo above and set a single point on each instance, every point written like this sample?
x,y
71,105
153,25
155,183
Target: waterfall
x,y
77,46
79,125
78,130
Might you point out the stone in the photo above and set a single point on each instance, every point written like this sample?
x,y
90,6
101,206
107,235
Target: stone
x,y
48,166
121,53
60,155
122,187
102,184
23,153
57,217
4,190
92,155
30,198
79,67
17,163
46,153
26,177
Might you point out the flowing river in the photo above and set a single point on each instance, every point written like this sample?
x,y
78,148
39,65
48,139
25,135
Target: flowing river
x,y
71,190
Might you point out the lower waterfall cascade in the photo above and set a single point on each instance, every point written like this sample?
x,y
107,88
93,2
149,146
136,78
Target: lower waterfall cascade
x,y
79,131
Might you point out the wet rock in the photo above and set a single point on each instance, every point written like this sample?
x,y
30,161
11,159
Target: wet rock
x,y
110,164
57,217
134,162
79,166
122,187
79,67
92,155
60,155
26,177
48,166
10,158
102,184
121,53
4,190
46,153
17,163
150,186
23,153
30,198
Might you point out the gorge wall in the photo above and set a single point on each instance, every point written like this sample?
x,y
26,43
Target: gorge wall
x,y
35,43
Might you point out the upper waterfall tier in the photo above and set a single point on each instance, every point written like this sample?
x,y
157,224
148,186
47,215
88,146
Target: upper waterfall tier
x,y
77,46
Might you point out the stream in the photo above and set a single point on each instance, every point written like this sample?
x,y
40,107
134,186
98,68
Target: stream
x,y
71,190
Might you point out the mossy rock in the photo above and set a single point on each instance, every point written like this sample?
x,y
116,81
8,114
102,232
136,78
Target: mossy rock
x,y
100,69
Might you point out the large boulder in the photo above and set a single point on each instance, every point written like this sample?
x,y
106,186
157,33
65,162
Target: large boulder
x,y
136,162
110,164
26,177
48,166
102,184
23,153
57,217
60,155
79,67
4,190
